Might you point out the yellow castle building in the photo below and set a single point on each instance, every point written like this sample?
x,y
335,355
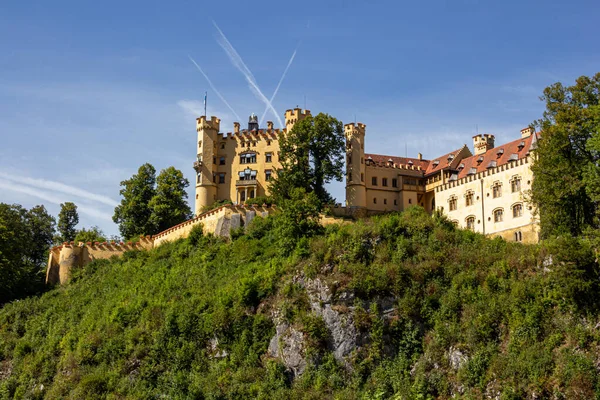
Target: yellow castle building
x,y
237,166
483,191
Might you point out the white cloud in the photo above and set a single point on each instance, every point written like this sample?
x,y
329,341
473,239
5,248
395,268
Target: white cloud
x,y
53,198
60,187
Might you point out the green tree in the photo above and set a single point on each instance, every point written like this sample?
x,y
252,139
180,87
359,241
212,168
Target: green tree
x,y
566,187
169,206
311,155
298,219
25,237
94,234
67,220
133,214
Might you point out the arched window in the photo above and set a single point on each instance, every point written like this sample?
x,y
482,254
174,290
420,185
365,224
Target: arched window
x,y
452,203
469,198
518,236
517,210
515,184
498,215
470,222
497,190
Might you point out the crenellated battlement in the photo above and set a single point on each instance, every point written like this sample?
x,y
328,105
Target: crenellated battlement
x,y
295,115
202,123
64,258
353,127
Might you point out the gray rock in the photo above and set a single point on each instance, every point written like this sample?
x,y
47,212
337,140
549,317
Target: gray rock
x,y
456,358
288,346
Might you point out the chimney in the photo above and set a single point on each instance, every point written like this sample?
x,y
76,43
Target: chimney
x,y
420,156
526,132
236,127
482,143
270,125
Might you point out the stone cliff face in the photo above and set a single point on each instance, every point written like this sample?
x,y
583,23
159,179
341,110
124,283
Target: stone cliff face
x,y
337,310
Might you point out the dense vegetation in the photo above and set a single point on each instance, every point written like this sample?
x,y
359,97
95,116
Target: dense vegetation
x,y
193,319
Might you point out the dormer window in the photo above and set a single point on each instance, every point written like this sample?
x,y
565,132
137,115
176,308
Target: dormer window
x,y
472,171
461,166
492,164
513,157
450,158
410,162
500,152
453,177
436,163
480,160
521,145
391,162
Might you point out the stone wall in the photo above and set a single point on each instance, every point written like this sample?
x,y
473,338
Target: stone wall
x,y
219,222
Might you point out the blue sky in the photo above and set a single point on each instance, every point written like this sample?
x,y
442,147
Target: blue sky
x,y
89,91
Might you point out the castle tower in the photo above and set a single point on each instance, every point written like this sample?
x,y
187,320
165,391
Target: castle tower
x,y
205,164
356,192
293,116
482,143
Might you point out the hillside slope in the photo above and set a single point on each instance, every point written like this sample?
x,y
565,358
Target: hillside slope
x,y
404,305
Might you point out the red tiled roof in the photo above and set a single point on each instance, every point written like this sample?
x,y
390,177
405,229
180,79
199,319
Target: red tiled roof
x,y
380,158
492,155
443,161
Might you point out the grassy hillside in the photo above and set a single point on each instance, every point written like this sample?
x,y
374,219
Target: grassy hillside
x,y
193,319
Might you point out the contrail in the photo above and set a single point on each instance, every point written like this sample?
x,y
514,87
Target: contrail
x,y
280,82
52,199
237,61
214,88
60,187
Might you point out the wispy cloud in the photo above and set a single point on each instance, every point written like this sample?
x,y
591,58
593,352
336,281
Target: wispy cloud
x,y
214,88
289,64
238,62
59,187
52,198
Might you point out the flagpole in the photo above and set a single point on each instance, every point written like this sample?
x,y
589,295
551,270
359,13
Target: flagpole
x,y
205,94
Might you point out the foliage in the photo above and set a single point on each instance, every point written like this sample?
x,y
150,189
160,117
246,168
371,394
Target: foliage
x,y
169,206
151,205
94,234
260,200
68,218
133,214
25,237
442,313
299,219
567,169
311,155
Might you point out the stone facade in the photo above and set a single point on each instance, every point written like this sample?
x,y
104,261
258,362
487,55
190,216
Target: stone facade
x,y
485,192
237,166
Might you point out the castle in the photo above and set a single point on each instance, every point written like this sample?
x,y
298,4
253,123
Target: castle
x,y
483,191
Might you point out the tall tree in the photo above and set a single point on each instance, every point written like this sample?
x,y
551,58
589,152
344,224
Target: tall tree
x,y
311,154
67,220
133,214
169,206
25,237
566,187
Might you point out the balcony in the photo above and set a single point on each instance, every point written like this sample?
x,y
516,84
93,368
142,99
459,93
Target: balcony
x,y
198,165
246,182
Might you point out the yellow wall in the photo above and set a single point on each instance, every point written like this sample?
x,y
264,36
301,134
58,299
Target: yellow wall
x,y
481,185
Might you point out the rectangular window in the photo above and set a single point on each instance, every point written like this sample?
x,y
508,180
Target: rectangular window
x,y
214,160
199,177
497,190
222,146
248,158
384,201
214,178
222,161
383,181
221,178
515,185
374,181
394,182
471,223
452,204
395,202
517,210
268,175
498,216
269,156
362,177
469,199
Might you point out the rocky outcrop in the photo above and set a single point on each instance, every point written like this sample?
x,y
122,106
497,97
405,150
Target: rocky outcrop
x,y
336,308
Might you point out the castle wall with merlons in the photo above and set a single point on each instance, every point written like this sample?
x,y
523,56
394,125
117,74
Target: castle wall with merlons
x,y
63,259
